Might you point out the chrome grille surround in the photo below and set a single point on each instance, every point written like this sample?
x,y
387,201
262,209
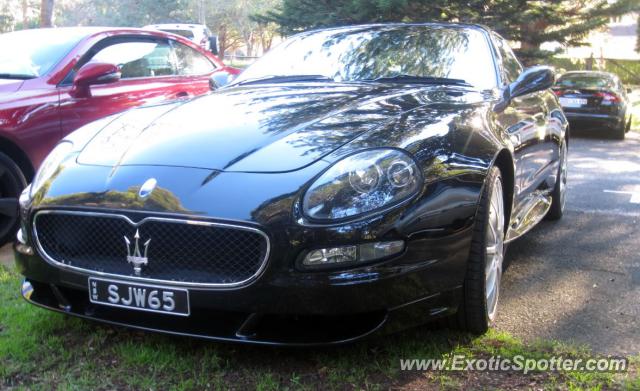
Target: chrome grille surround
x,y
170,220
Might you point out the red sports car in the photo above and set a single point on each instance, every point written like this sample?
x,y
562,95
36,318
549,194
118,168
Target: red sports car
x,y
52,81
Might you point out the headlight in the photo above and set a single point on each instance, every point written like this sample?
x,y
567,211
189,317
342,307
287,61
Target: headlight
x,y
50,164
361,183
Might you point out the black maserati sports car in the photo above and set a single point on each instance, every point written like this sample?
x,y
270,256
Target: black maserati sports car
x,y
353,181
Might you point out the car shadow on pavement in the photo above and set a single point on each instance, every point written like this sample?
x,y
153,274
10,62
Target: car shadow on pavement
x,y
576,280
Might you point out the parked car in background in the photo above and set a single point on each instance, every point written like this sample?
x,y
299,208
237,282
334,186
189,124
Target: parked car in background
x,y
198,33
344,184
52,81
596,101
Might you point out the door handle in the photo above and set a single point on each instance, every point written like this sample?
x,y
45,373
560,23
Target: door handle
x,y
182,95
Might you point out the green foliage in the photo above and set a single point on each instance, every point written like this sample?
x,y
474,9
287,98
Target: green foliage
x,y
627,70
131,13
230,19
19,14
529,22
6,18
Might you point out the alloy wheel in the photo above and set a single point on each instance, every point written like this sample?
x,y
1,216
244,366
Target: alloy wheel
x,y
563,174
494,250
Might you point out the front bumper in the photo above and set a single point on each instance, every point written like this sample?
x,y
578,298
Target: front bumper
x,y
253,328
294,308
285,305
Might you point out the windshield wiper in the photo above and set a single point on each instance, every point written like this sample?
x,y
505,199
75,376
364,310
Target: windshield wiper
x,y
16,76
412,79
284,79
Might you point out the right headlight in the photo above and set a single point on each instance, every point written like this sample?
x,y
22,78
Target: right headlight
x,y
361,183
50,164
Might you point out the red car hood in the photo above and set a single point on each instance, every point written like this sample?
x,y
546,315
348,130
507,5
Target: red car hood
x,y
8,86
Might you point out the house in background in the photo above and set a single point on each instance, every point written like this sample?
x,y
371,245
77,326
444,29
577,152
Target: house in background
x,y
616,42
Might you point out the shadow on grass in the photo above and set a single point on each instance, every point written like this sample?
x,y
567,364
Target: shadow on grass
x,y
43,348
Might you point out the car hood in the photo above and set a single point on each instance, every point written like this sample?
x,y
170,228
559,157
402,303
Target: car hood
x,y
8,86
266,128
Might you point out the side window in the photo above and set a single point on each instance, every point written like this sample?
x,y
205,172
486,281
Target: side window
x,y
512,67
139,58
190,61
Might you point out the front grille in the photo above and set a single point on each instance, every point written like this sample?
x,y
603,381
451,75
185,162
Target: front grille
x,y
180,251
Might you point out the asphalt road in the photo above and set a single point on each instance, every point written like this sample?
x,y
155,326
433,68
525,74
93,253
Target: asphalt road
x,y
578,279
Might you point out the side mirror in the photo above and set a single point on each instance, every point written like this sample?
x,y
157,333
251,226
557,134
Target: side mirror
x,y
92,74
214,45
220,79
532,79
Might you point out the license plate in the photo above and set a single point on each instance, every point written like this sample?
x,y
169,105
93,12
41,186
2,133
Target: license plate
x,y
140,297
573,102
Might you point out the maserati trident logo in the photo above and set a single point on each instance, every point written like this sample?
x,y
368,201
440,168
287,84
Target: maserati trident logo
x,y
136,258
147,187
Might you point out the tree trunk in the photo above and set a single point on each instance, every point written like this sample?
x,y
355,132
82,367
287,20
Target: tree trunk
x,y
46,13
267,40
529,44
222,42
25,14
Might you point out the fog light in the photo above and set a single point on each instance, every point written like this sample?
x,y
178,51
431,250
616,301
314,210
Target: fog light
x,y
334,256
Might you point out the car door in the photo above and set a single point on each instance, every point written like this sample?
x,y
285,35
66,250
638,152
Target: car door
x,y
194,69
526,121
150,74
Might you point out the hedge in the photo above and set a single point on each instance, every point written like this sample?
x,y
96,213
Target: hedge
x,y
627,70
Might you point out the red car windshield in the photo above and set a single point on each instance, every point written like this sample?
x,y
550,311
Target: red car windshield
x,y
32,53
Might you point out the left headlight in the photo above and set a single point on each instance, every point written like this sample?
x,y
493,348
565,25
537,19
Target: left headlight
x,y
50,164
361,183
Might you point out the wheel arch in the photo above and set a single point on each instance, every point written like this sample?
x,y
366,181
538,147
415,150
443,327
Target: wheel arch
x,y
19,156
504,162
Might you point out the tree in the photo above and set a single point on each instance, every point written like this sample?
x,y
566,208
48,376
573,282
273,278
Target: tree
x,y
232,21
229,19
6,18
530,22
130,13
638,32
46,13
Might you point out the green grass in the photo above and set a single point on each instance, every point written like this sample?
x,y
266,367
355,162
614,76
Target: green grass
x,y
635,103
41,350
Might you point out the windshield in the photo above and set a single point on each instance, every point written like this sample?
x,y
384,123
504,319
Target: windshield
x,y
585,81
33,53
376,52
184,33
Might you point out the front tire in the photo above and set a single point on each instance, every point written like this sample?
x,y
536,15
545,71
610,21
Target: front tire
x,y
484,267
12,182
